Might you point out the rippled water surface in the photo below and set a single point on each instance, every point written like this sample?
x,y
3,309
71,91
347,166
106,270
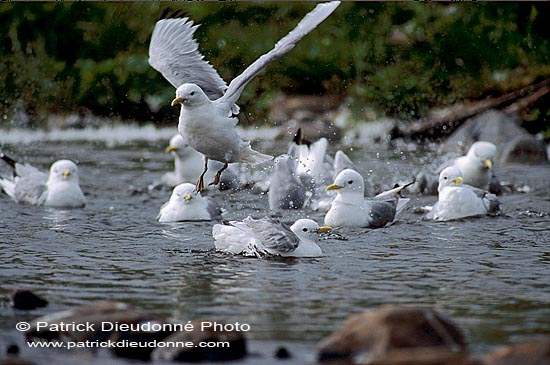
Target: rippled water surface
x,y
491,274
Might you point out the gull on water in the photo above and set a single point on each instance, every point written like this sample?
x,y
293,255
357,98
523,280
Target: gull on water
x,y
207,122
457,200
351,208
269,237
59,189
324,198
477,165
186,204
189,164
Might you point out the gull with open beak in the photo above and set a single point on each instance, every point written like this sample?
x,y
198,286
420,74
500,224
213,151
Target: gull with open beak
x,y
186,204
269,237
207,119
457,200
59,189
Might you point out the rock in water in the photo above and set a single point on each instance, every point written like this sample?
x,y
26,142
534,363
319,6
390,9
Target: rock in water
x,y
376,333
27,300
527,353
235,339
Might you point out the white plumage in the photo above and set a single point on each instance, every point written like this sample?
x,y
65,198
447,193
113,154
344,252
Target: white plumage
x,y
457,200
207,104
59,189
351,208
185,204
269,237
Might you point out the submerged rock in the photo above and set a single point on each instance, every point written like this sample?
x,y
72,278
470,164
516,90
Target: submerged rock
x,y
27,300
527,353
235,340
100,321
121,325
373,334
514,144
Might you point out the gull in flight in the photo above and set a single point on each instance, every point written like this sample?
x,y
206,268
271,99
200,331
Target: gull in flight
x,y
207,118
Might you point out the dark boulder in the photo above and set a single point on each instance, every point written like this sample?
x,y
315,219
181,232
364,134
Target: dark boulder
x,y
373,334
27,300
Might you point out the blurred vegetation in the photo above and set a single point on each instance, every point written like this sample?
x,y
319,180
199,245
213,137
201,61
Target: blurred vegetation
x,y
396,58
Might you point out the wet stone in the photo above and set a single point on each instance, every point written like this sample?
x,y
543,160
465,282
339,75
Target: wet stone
x,y
194,353
282,353
100,321
27,300
374,333
526,353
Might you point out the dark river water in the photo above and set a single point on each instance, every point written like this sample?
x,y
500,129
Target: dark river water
x,y
491,275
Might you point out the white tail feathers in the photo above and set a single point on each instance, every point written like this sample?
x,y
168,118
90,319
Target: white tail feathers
x,y
9,188
248,155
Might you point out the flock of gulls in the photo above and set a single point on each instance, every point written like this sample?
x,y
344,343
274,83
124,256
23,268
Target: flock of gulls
x,y
306,176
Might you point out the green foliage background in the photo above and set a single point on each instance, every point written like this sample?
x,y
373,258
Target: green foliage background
x,y
398,58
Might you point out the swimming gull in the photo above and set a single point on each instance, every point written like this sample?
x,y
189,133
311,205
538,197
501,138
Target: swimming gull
x,y
269,237
477,165
457,200
207,121
351,208
59,189
186,204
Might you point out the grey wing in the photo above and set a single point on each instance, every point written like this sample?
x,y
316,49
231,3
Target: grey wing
x,y
382,212
490,201
214,209
306,25
275,235
30,185
174,53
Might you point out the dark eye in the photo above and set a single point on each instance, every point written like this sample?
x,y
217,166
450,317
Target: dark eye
x,y
350,182
192,93
304,229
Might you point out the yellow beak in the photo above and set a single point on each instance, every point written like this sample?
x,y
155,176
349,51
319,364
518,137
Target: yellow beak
x,y
458,180
177,101
333,187
66,173
187,197
488,164
171,149
324,229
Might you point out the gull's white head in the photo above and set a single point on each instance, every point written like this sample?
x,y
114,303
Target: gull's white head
x,y
347,181
451,176
484,152
308,229
63,170
184,193
178,148
190,95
